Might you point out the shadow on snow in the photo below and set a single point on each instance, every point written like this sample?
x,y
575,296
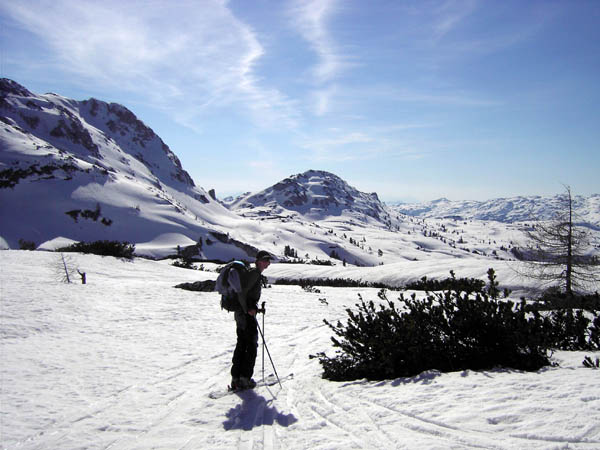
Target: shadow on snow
x,y
254,411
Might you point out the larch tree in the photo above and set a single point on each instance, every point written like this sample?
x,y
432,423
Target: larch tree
x,y
558,251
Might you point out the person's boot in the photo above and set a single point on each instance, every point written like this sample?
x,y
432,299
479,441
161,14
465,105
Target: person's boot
x,y
235,384
247,383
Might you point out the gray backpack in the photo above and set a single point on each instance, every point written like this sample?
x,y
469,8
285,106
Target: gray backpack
x,y
229,298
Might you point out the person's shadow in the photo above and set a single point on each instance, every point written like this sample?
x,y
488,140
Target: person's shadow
x,y
255,411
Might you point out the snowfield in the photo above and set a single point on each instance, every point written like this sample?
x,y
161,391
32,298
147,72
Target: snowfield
x,y
127,362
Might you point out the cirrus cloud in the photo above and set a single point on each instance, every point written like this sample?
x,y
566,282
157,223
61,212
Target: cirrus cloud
x,y
195,55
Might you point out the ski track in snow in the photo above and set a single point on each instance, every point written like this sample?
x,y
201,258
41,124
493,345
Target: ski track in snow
x,y
127,362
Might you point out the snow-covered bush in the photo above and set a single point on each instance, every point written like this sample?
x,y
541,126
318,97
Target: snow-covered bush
x,y
26,245
554,299
447,331
594,330
568,329
589,362
103,248
462,284
451,331
184,263
331,282
311,289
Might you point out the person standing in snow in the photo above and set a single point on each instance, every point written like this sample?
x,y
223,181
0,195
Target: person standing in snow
x,y
247,286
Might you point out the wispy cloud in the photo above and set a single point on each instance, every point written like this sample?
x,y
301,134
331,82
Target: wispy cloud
x,y
434,96
449,98
334,145
339,145
197,54
451,31
310,18
449,15
312,21
322,99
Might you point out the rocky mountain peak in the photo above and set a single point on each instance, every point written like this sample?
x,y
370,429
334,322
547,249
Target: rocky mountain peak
x,y
91,130
12,87
315,194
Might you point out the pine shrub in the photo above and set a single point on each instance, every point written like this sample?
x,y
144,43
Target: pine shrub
x,y
184,263
594,333
461,284
447,331
567,329
450,331
104,248
330,282
589,362
553,299
26,245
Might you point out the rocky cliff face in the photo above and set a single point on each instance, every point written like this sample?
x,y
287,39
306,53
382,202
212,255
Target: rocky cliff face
x,y
94,132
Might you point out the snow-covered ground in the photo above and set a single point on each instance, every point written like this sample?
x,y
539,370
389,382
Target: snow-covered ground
x,y
127,362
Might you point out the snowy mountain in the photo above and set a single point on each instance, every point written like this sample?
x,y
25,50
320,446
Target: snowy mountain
x,y
90,170
507,210
315,195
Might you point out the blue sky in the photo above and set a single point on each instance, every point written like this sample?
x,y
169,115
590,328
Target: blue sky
x,y
414,100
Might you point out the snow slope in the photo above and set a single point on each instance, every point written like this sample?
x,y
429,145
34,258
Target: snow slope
x,y
127,362
89,170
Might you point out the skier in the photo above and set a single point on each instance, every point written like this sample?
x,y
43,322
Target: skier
x,y
247,286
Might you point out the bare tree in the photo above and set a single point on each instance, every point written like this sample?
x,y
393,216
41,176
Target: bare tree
x,y
558,251
63,268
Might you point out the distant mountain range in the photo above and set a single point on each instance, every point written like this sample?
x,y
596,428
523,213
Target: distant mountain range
x,y
90,170
507,210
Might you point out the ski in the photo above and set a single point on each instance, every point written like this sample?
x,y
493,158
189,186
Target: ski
x,y
271,380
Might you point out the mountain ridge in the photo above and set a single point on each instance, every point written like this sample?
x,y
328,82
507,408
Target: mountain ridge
x,y
504,209
82,124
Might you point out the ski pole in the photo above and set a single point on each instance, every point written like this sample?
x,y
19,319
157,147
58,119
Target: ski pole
x,y
263,345
269,355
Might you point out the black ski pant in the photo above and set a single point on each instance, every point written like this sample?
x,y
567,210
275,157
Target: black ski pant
x,y
244,355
